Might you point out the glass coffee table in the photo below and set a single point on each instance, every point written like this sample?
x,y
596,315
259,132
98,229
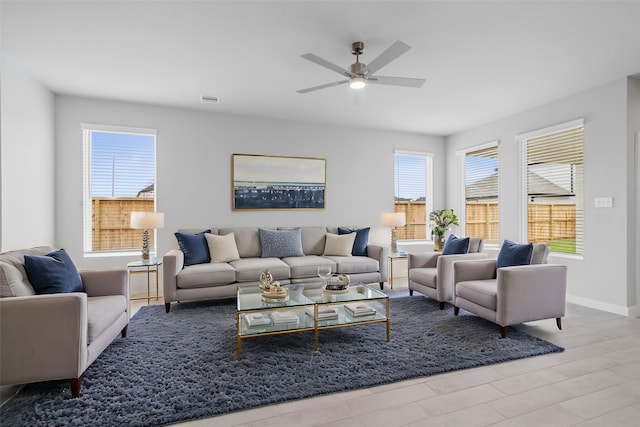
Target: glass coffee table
x,y
309,308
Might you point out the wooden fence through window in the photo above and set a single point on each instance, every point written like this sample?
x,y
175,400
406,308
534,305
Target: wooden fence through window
x,y
111,219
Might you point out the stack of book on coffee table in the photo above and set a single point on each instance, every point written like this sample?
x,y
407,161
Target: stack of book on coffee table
x,y
324,312
285,317
358,309
256,319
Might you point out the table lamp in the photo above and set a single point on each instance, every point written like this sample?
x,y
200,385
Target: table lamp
x,y
394,219
146,221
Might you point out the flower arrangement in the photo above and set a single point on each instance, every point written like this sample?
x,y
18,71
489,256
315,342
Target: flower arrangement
x,y
441,219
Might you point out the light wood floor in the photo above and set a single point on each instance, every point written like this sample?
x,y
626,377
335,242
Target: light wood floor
x,y
594,382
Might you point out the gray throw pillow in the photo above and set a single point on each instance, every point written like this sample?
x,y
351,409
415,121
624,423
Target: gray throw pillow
x,y
281,243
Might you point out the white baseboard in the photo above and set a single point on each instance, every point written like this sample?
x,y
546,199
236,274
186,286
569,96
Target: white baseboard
x,y
599,305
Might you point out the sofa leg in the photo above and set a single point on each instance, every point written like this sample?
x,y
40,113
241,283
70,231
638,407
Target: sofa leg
x,y
441,305
167,306
559,323
503,331
381,286
75,386
410,292
124,330
456,310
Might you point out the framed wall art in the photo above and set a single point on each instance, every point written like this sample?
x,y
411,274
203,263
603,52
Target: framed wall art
x,y
277,182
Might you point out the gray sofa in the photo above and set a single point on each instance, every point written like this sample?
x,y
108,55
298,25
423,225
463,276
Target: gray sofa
x,y
57,336
217,280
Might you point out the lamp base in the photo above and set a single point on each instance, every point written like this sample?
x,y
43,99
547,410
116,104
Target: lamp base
x,y
145,245
394,243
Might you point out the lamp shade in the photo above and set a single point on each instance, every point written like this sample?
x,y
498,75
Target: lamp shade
x,y
394,219
147,220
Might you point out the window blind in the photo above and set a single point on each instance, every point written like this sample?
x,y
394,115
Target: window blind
x,y
481,193
412,193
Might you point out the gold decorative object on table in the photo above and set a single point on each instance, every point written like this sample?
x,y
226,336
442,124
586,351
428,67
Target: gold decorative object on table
x,y
272,291
340,286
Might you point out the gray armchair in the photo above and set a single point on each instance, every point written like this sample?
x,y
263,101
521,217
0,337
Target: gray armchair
x,y
57,336
431,273
511,295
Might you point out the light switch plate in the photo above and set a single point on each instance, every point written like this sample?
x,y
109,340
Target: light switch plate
x,y
603,202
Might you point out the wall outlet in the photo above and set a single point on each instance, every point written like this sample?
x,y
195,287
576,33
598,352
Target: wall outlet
x,y
603,202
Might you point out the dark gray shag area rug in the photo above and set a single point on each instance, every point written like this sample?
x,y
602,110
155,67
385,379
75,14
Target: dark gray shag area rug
x,y
182,365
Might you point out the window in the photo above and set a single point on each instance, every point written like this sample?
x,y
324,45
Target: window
x,y
480,169
552,181
119,177
413,193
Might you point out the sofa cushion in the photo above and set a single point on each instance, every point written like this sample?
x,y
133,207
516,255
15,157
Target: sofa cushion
x,y
354,264
249,269
313,239
424,276
307,266
203,275
102,312
456,245
481,292
280,243
247,240
512,254
222,248
194,247
339,245
53,273
361,242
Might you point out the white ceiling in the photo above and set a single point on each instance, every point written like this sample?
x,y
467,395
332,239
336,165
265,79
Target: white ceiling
x,y
481,60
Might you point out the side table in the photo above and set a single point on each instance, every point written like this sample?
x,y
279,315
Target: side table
x,y
146,266
393,256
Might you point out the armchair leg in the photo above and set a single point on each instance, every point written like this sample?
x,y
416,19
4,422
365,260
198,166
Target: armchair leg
x,y
381,285
503,331
167,306
559,322
410,292
124,330
75,386
456,310
441,305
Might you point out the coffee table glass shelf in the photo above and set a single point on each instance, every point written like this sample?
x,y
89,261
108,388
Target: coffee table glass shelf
x,y
314,309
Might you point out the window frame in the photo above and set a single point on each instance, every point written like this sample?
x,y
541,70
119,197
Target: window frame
x,y
522,140
87,234
461,156
428,156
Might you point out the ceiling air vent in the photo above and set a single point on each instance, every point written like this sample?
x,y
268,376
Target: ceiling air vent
x,y
209,99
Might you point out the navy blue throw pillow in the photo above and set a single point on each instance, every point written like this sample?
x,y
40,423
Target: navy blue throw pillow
x,y
512,254
53,273
361,242
194,247
456,245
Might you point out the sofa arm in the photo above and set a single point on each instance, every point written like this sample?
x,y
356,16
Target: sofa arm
x,y
173,263
444,272
422,260
531,292
105,282
381,254
43,337
483,269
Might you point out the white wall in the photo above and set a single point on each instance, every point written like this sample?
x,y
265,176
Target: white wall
x,y
602,278
27,164
194,168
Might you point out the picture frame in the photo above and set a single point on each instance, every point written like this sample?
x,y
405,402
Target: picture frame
x,y
265,182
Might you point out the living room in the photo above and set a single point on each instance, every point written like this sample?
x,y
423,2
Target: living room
x,y
42,137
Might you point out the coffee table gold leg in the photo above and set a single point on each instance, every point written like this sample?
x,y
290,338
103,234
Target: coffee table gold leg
x,y
388,322
239,339
315,323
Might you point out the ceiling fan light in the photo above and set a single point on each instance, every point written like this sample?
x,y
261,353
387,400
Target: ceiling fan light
x,y
357,83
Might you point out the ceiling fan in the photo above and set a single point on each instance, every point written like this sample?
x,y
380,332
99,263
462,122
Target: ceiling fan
x,y
359,74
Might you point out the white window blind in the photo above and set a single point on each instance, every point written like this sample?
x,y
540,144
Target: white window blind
x,y
119,177
413,193
481,193
554,167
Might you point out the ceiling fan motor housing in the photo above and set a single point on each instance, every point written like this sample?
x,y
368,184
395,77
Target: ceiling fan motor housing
x,y
358,68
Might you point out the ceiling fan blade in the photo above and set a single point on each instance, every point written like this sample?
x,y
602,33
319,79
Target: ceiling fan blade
x,y
324,63
394,51
311,89
396,81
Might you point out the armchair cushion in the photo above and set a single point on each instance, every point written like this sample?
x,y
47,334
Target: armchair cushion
x,y
456,245
194,247
512,254
361,242
53,273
